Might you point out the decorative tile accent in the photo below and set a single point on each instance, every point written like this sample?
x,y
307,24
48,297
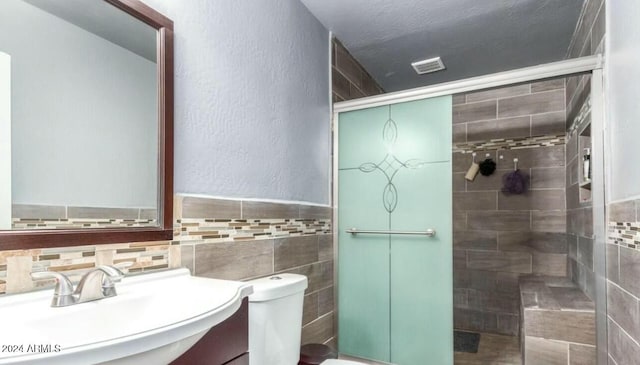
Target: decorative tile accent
x,y
625,234
510,143
64,223
30,216
75,261
222,230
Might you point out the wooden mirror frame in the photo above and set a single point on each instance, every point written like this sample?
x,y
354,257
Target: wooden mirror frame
x,y
29,239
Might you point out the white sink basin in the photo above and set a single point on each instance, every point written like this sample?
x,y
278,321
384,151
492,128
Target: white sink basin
x,y
153,320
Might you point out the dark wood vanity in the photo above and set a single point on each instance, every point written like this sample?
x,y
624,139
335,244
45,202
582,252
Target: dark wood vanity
x,y
225,344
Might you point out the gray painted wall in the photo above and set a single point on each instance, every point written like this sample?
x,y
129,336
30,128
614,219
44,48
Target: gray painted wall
x,y
84,130
252,99
622,75
623,88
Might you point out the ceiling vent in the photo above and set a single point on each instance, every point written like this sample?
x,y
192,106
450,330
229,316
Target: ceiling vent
x,y
428,66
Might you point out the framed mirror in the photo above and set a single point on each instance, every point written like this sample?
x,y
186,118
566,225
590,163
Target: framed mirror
x,y
86,123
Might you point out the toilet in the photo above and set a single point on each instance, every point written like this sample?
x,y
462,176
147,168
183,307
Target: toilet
x,y
275,319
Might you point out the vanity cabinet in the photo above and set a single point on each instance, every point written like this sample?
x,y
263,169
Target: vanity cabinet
x,y
225,344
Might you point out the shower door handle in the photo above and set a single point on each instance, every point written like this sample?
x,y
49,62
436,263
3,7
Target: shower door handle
x,y
428,232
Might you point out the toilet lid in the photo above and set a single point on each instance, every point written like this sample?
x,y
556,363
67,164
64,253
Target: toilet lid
x,y
340,362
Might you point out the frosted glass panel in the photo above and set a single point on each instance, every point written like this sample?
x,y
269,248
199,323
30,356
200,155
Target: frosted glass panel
x,y
395,292
421,269
364,274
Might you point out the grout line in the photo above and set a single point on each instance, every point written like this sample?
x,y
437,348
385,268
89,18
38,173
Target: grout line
x,y
476,121
623,200
610,358
536,93
551,112
623,289
624,331
319,318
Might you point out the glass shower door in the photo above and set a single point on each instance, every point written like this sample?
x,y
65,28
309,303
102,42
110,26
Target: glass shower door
x,y
395,290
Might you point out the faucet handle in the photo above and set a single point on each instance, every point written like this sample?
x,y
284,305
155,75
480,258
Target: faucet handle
x,y
113,274
63,292
63,284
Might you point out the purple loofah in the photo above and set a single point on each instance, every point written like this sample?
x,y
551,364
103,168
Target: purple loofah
x,y
514,182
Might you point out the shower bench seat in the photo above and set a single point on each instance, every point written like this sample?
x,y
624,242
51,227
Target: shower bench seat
x,y
558,322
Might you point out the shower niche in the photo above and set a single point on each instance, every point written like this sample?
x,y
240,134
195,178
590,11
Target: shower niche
x,y
584,165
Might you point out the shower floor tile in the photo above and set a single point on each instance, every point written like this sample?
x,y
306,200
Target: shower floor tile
x,y
493,349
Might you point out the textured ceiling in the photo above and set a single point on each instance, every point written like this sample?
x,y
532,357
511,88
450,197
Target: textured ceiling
x,y
473,37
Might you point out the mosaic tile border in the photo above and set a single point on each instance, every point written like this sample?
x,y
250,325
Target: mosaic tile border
x,y
33,216
624,234
71,223
510,143
225,230
75,261
304,220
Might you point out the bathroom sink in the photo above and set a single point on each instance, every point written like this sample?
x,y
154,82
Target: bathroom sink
x,y
153,320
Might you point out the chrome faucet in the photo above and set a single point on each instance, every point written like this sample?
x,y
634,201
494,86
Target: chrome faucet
x,y
98,283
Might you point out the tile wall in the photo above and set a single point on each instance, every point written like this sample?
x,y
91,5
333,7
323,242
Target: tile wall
x,y
623,284
241,240
17,265
558,322
620,345
580,235
349,79
588,39
499,237
226,239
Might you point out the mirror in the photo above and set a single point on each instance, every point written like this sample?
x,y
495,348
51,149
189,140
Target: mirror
x,y
86,106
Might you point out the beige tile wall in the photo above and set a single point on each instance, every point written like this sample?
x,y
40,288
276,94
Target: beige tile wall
x,y
17,265
499,237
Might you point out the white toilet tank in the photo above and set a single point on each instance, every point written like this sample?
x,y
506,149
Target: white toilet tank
x,y
275,319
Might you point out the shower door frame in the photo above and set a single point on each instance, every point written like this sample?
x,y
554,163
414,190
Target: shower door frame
x,y
583,65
